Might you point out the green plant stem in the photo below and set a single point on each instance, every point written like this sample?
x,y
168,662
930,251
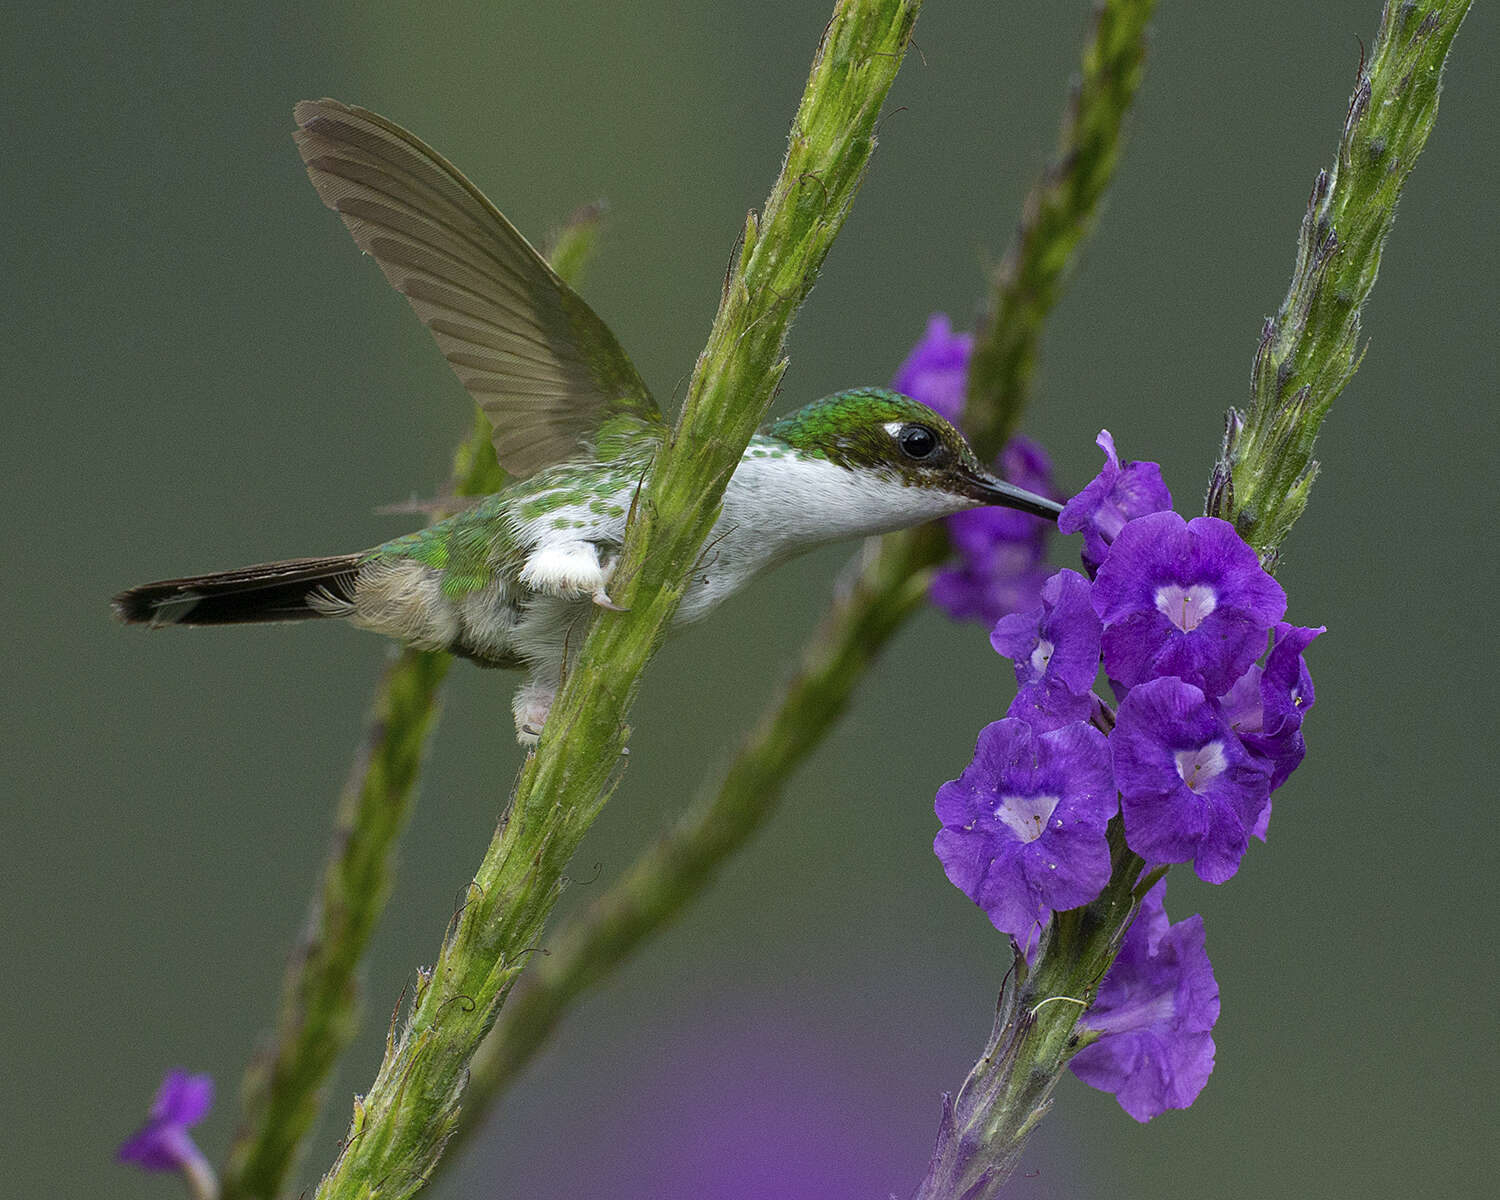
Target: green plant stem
x,y
1009,1091
890,584
1310,349
400,1126
1058,215
985,1129
282,1091
675,871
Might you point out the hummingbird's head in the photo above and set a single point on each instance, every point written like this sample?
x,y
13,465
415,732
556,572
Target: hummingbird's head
x,y
885,433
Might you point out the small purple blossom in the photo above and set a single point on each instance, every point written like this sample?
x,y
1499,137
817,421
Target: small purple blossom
x,y
1116,495
1286,695
936,372
1055,649
1154,1015
1023,826
1058,641
1000,568
1000,551
1267,704
1183,598
163,1143
1188,788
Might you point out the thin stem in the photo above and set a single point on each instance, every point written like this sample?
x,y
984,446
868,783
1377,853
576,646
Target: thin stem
x,y
890,584
400,1126
283,1088
1058,216
1310,349
674,872
985,1129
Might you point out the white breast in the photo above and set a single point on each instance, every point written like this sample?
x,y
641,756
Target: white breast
x,y
778,507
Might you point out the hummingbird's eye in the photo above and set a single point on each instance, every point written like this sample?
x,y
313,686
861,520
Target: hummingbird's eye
x,y
917,441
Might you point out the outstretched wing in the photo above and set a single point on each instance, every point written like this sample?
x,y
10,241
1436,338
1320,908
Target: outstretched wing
x,y
544,368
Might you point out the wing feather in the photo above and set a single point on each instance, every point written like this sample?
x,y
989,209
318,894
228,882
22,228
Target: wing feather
x,y
544,368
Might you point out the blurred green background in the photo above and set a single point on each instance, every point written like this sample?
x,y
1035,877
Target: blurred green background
x,y
200,371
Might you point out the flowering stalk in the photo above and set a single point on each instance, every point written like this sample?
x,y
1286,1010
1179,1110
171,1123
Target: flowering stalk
x,y
888,584
1310,349
319,1001
400,1126
1009,1090
1203,732
1058,215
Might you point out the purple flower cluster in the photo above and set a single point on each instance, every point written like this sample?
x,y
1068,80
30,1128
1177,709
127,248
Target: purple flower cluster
x,y
1211,689
1001,553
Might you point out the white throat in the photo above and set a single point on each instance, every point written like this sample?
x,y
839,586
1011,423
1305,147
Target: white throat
x,y
779,504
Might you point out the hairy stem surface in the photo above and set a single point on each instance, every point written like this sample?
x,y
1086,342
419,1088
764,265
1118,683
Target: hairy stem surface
x,y
1310,349
400,1126
283,1087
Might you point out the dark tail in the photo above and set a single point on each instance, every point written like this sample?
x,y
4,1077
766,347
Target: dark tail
x,y
294,590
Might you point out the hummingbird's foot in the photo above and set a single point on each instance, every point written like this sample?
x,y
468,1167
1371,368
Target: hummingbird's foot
x,y
532,702
601,598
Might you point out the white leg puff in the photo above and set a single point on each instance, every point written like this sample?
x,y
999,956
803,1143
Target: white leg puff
x,y
567,569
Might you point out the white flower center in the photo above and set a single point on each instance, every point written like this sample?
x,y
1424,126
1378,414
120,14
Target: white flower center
x,y
1041,656
1026,816
1186,607
1202,766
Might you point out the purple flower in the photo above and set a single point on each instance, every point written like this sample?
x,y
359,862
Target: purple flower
x,y
1114,496
163,1143
1000,551
936,372
1183,598
1000,568
1266,706
1154,1016
1188,788
1286,694
1023,826
1055,649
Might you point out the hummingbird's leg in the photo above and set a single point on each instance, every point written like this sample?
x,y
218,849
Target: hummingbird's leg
x,y
570,570
532,702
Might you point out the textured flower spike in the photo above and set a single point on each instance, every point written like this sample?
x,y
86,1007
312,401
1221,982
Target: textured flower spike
x,y
1154,1015
1024,825
1115,496
164,1144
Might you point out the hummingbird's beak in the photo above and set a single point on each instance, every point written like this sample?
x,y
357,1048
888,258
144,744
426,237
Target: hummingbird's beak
x,y
991,490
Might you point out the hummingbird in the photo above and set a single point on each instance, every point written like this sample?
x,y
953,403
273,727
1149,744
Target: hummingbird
x,y
508,581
